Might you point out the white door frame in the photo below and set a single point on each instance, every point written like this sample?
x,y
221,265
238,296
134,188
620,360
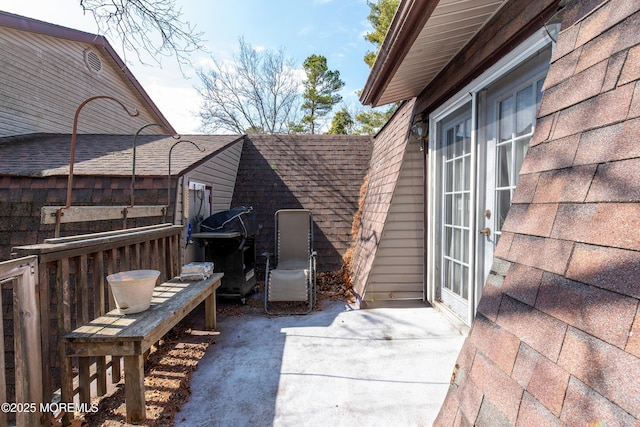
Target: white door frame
x,y
470,93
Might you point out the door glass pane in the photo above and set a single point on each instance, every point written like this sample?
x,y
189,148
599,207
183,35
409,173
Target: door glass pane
x,y
448,173
506,119
466,211
456,241
467,173
467,136
504,165
449,144
448,274
448,244
455,285
457,209
503,203
524,111
459,138
539,91
465,246
522,146
448,208
465,278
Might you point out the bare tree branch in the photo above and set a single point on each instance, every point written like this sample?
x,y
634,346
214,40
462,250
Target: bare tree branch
x,y
154,26
257,92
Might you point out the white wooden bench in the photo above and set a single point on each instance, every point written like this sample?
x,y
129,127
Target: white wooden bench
x,y
131,335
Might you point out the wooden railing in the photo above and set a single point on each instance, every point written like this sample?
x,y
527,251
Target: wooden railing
x,y
72,290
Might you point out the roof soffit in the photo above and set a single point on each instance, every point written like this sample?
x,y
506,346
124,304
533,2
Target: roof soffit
x,y
424,36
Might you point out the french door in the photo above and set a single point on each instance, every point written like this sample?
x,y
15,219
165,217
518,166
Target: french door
x,y
478,152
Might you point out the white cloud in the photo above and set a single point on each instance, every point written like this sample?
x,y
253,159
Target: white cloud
x,y
179,104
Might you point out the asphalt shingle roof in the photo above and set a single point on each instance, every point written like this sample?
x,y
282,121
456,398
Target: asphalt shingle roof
x,y
106,155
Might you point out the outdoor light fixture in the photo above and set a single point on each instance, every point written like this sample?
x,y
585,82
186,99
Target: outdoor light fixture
x,y
420,130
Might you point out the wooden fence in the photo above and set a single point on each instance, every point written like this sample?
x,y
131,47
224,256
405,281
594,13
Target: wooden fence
x,y
70,279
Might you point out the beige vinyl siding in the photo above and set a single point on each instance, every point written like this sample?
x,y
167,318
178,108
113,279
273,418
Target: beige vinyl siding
x,y
44,79
220,173
398,270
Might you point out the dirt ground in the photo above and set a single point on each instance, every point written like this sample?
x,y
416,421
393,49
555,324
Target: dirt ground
x,y
170,365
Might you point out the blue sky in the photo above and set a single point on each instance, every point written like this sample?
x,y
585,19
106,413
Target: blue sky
x,y
333,28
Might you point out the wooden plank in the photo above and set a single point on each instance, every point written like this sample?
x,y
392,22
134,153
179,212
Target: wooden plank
x,y
123,348
64,325
98,284
154,256
126,262
145,253
45,318
135,257
169,256
99,310
112,267
72,214
54,252
177,255
3,379
82,237
82,293
82,289
116,375
162,242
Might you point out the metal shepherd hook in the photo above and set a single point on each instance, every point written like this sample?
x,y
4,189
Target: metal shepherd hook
x,y
133,168
135,113
72,155
169,176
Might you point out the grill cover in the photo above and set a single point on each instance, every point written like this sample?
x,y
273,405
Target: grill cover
x,y
241,219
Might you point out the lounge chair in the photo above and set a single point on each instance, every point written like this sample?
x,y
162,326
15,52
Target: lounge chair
x,y
294,277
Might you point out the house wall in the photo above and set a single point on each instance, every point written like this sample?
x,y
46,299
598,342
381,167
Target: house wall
x,y
22,197
389,149
44,79
398,270
555,340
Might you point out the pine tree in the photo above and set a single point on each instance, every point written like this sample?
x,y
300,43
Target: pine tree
x,y
320,91
342,123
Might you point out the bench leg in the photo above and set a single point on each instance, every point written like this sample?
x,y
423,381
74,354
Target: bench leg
x,y
210,311
134,389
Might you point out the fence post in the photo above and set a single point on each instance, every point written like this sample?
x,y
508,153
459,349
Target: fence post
x,y
23,272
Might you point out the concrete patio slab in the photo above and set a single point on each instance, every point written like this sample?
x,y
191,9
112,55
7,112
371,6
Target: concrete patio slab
x,y
338,366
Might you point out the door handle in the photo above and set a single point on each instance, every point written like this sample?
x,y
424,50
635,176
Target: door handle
x,y
485,231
